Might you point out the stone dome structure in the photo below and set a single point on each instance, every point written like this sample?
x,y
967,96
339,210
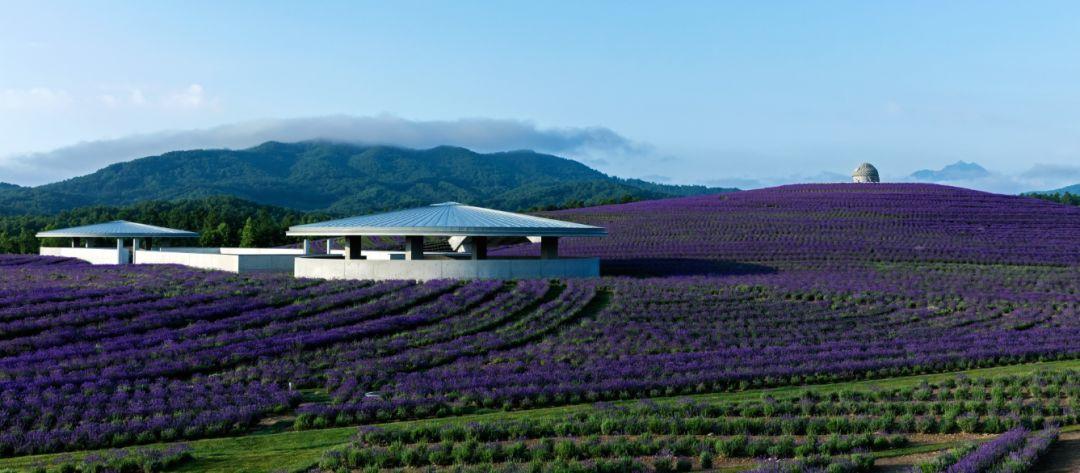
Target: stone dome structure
x,y
866,172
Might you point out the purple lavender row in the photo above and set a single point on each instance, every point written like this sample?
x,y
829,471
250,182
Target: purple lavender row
x,y
186,309
11,261
1035,446
360,408
990,453
360,372
821,223
159,353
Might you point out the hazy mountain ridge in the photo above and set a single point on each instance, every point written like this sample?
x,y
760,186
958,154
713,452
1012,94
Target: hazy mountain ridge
x,y
343,179
957,171
1073,189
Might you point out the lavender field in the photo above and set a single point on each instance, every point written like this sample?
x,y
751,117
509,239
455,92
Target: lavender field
x,y
790,286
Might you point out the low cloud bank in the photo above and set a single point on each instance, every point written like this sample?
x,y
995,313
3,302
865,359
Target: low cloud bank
x,y
479,134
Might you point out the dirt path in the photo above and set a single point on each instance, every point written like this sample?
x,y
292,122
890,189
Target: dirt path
x,y
1063,457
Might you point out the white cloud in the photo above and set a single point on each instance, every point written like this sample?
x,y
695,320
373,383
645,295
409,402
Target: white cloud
x,y
36,98
109,100
189,98
136,97
479,134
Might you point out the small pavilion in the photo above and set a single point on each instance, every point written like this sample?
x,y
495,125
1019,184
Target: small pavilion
x,y
469,232
140,234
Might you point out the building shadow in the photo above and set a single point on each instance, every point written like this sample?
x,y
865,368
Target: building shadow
x,y
662,267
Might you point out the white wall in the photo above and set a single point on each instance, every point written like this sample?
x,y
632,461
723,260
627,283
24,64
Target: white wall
x,y
90,255
196,260
337,268
238,251
236,260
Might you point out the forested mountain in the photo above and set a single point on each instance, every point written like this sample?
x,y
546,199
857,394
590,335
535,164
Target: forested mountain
x,y
343,179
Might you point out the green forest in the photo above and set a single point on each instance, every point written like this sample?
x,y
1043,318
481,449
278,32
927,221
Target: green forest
x,y
1067,198
220,221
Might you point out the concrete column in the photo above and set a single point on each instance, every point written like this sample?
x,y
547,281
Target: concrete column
x,y
74,242
120,251
414,247
479,247
307,246
135,242
549,247
328,241
352,247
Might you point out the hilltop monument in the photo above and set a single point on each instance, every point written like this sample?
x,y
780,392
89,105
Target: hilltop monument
x,y
866,172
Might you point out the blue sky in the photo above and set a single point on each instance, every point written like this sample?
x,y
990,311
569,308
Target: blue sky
x,y
751,93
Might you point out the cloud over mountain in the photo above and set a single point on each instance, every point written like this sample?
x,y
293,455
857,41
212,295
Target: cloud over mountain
x,y
480,134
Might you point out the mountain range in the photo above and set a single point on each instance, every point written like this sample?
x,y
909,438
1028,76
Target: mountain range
x,y
1073,189
343,179
958,171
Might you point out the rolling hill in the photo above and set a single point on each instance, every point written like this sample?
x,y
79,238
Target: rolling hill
x,y
832,308
343,179
811,226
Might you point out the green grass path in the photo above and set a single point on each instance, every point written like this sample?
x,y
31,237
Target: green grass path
x,y
291,451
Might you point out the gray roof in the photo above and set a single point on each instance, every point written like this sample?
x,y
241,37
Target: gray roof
x,y
117,229
447,219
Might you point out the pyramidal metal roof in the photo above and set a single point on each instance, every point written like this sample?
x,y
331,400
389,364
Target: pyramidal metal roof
x,y
447,219
117,229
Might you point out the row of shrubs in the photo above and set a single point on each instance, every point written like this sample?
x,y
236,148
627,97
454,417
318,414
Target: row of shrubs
x,y
1006,395
136,460
608,425
853,464
361,455
467,403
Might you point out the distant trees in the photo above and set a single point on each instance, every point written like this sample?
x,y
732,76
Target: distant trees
x,y
261,231
220,221
1066,198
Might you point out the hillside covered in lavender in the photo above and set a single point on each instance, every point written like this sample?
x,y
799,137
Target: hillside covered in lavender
x,y
664,364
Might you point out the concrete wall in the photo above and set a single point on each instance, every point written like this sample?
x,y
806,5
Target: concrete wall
x,y
239,251
248,260
219,262
90,255
338,268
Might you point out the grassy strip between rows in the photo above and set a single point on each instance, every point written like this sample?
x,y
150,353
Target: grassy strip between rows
x,y
299,450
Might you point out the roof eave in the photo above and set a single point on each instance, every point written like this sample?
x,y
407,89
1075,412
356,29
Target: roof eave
x,y
447,232
114,235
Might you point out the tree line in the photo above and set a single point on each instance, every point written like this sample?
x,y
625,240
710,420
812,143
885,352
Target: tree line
x,y
220,221
1066,198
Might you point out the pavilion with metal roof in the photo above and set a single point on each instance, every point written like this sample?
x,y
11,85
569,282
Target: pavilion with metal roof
x,y
121,230
469,231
